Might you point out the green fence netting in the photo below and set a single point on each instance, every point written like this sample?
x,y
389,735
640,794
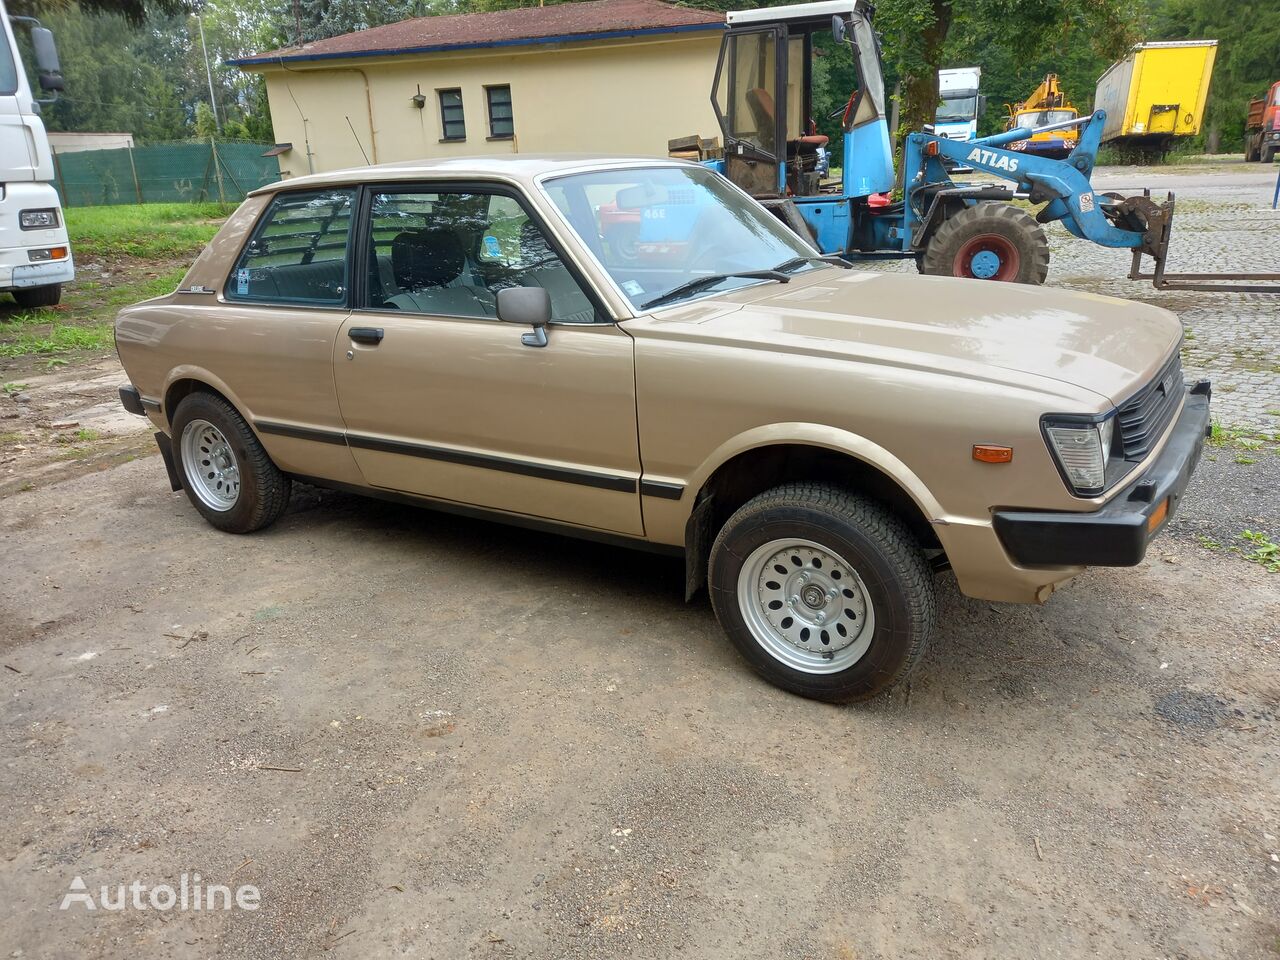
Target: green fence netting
x,y
164,172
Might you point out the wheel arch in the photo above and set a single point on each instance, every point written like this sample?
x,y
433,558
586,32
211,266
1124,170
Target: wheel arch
x,y
767,457
186,380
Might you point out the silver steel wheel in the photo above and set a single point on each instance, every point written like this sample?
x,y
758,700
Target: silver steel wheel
x,y
210,465
806,606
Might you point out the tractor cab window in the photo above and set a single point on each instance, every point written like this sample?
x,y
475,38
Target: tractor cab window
x,y
869,103
747,94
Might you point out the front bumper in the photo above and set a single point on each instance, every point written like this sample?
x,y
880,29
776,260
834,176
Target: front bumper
x,y
1118,534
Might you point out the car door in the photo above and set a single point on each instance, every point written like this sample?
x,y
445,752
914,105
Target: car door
x,y
443,400
271,337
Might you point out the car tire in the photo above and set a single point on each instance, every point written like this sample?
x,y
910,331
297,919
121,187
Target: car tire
x,y
227,474
804,549
1007,235
29,298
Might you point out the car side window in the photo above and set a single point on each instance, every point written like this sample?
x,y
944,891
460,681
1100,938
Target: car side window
x,y
449,253
298,252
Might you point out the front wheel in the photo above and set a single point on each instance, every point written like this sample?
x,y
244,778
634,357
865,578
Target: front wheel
x,y
824,593
1268,154
989,241
227,474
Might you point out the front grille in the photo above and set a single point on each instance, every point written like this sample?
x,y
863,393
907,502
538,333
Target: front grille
x,y
1144,416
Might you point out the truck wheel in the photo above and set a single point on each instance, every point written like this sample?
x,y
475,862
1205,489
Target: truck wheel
x,y
824,593
989,241
228,477
1268,154
32,297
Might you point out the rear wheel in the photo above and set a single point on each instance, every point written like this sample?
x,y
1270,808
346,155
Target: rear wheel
x,y
989,241
227,474
32,297
823,592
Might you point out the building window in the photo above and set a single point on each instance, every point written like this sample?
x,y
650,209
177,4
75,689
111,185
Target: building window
x,y
501,124
455,128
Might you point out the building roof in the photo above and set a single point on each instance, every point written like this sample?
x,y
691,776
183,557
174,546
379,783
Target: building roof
x,y
589,20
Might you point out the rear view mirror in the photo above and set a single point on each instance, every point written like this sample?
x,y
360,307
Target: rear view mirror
x,y
837,28
527,306
48,67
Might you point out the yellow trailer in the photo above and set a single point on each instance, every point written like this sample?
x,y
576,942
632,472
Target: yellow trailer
x,y
1156,93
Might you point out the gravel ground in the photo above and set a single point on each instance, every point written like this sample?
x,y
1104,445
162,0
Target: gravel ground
x,y
423,736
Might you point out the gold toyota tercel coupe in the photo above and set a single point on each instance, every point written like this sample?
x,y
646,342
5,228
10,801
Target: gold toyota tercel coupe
x,y
634,350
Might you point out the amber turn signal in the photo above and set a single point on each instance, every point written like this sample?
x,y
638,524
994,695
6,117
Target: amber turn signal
x,y
931,148
1158,515
990,453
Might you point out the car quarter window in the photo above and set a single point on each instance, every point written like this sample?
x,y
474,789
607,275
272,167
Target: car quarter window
x,y
298,251
448,253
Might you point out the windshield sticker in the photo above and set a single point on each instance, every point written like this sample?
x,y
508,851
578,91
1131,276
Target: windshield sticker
x,y
491,247
242,281
632,289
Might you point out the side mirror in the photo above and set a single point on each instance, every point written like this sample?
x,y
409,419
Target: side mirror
x,y
837,28
982,104
529,307
48,67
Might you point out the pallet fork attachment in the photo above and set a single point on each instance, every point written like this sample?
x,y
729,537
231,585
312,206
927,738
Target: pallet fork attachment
x,y
1157,220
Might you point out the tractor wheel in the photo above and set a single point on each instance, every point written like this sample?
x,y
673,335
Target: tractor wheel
x,y
989,241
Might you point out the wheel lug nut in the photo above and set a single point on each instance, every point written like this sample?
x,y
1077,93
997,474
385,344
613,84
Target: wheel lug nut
x,y
792,601
820,616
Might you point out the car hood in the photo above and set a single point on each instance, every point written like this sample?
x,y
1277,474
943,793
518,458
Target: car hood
x,y
1000,332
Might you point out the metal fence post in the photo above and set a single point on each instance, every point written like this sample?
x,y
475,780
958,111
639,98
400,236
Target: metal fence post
x,y
62,184
1275,197
137,187
217,169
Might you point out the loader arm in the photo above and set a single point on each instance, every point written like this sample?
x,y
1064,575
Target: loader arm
x,y
1063,185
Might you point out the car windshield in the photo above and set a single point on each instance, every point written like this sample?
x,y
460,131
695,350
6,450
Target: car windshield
x,y
657,230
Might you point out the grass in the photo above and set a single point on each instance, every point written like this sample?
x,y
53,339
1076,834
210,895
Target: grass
x,y
147,231
143,251
1265,552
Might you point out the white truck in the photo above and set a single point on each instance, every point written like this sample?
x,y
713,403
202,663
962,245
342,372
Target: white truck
x,y
961,103
35,256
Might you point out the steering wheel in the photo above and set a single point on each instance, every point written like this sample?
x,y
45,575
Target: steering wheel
x,y
848,110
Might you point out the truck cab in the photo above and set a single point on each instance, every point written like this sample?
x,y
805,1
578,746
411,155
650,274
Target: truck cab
x,y
1262,128
960,103
35,256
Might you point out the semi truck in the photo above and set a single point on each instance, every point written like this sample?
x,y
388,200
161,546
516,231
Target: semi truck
x,y
1156,94
35,256
1262,127
960,103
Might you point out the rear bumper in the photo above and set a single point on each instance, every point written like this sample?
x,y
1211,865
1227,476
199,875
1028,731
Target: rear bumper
x,y
1118,534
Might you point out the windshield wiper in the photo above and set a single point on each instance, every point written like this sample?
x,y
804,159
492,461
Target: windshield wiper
x,y
788,265
697,283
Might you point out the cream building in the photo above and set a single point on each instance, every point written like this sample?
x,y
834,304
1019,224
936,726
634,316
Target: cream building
x,y
604,76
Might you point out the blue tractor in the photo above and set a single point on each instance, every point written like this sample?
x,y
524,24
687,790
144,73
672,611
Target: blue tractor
x,y
762,101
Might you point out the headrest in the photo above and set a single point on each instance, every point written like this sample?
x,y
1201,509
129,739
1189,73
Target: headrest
x,y
426,258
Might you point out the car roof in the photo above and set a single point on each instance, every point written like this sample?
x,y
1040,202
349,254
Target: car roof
x,y
523,167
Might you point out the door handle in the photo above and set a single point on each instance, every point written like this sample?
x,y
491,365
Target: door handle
x,y
370,335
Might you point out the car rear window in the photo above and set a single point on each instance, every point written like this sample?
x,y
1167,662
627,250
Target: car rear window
x,y
298,252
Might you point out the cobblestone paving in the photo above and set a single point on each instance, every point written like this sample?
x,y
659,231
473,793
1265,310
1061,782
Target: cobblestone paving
x,y
1223,222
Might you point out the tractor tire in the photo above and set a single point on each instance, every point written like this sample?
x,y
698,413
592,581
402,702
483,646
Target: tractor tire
x,y
989,241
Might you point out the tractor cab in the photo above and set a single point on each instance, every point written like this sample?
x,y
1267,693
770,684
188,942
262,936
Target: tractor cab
x,y
762,99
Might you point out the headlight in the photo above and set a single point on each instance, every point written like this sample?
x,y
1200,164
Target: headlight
x,y
38,219
1081,449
